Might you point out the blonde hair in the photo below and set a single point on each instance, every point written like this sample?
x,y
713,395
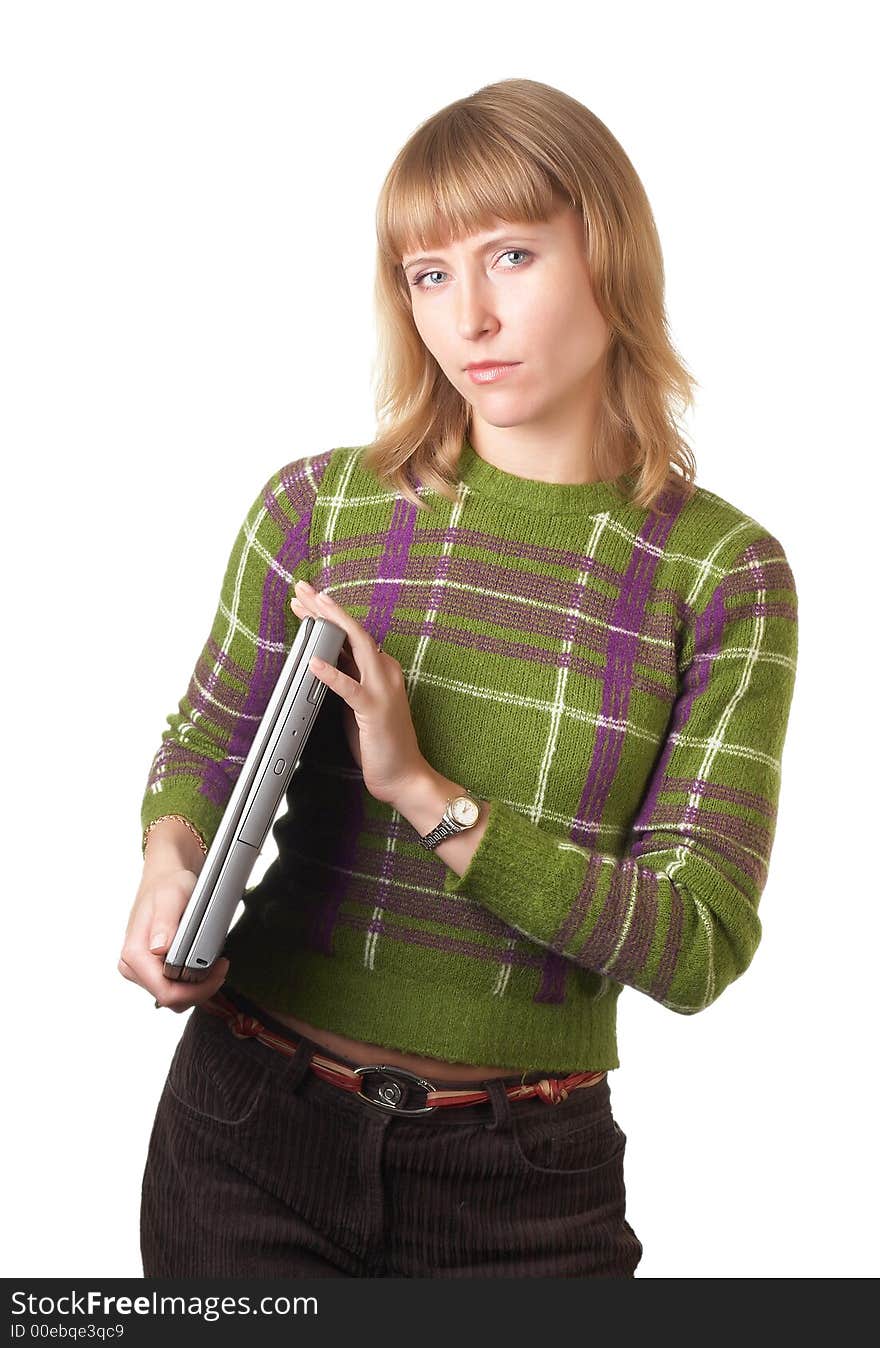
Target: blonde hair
x,y
518,150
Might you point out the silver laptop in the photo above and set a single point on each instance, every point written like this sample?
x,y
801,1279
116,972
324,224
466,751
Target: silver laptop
x,y
268,768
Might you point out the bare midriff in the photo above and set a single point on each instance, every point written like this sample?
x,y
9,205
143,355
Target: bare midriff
x,y
434,1069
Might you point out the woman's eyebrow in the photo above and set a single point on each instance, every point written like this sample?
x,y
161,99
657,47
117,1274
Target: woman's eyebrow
x,y
479,248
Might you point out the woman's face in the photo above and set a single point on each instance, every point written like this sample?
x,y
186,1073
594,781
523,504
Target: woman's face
x,y
518,292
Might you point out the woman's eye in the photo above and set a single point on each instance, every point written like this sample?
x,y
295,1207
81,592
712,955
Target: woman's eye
x,y
424,275
417,283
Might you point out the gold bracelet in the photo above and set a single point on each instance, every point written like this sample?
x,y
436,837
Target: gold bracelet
x,y
192,828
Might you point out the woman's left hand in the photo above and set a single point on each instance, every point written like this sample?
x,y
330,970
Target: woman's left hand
x,y
378,722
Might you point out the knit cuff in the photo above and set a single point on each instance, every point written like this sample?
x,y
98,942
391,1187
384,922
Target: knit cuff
x,y
509,870
201,814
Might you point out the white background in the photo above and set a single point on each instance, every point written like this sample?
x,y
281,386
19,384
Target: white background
x,y
187,266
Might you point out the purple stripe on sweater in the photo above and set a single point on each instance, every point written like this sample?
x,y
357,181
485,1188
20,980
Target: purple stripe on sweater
x,y
743,843
413,895
392,567
175,760
268,662
599,946
293,551
236,673
579,909
523,956
233,694
630,616
531,654
515,589
749,800
709,631
516,549
636,948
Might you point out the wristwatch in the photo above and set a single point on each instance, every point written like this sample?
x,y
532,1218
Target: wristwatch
x,y
461,812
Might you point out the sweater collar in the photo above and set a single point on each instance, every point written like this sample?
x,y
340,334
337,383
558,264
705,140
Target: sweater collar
x,y
526,493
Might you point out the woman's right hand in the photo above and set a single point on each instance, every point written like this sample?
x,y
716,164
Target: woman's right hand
x,y
156,912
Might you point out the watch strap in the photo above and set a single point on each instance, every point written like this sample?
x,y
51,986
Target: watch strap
x,y
447,828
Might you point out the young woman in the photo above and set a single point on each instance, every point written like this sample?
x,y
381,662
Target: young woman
x,y
546,768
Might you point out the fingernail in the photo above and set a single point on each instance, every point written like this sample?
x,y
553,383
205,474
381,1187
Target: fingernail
x,y
304,585
157,940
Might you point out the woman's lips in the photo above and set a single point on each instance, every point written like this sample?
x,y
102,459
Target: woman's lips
x,y
489,373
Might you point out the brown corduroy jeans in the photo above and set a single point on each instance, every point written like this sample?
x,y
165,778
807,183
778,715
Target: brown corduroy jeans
x,y
258,1168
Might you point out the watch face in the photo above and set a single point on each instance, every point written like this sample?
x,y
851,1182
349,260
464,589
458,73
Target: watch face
x,y
465,811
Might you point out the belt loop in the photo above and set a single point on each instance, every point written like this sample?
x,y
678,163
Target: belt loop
x,y
296,1068
503,1119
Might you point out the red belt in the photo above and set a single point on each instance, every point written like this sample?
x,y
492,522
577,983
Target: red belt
x,y
552,1090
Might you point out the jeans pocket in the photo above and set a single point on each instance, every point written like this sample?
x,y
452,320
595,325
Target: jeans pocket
x,y
215,1078
563,1147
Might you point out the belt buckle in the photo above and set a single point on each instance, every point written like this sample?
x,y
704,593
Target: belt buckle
x,y
390,1093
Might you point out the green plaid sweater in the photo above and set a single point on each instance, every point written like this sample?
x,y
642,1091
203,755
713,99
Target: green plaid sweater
x,y
616,682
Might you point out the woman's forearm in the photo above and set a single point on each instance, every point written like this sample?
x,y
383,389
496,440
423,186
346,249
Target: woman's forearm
x,y
171,846
423,804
